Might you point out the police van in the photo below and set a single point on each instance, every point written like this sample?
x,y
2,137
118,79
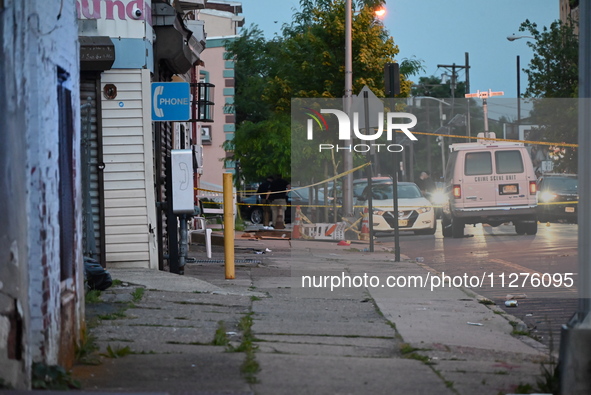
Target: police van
x,y
489,182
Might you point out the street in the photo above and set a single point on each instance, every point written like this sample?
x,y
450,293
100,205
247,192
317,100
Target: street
x,y
499,254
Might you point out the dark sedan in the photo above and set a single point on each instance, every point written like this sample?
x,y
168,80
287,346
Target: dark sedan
x,y
251,211
558,198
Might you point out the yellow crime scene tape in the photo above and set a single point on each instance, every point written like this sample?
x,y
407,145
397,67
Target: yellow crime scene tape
x,y
498,139
368,163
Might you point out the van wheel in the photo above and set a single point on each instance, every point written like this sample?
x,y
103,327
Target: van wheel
x,y
519,228
457,228
446,227
531,228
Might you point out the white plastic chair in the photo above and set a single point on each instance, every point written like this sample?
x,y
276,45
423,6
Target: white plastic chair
x,y
207,233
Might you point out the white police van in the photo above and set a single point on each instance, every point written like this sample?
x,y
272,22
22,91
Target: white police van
x,y
489,182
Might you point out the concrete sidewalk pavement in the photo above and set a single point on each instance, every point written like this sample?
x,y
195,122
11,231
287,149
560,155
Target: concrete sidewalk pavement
x,y
263,333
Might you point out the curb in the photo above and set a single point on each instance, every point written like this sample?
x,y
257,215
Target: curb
x,y
521,326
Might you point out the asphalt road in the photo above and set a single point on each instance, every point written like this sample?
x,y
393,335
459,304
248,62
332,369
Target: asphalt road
x,y
538,270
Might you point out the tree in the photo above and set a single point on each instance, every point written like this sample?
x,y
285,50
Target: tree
x,y
306,61
553,82
553,71
434,87
264,146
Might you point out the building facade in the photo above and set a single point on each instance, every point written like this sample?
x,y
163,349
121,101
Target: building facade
x,y
41,278
126,46
223,21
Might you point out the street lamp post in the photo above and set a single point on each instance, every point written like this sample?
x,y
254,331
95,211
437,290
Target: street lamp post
x,y
348,154
512,38
518,95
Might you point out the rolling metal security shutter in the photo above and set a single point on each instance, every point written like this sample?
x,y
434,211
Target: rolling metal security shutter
x,y
92,168
164,133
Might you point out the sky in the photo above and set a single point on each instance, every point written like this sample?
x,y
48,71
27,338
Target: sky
x,y
441,32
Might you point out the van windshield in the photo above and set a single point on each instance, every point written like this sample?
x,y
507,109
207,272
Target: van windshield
x,y
508,162
478,164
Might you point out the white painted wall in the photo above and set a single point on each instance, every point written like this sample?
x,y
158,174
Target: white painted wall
x,y
130,208
37,36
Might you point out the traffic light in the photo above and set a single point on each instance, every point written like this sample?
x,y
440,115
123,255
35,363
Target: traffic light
x,y
392,79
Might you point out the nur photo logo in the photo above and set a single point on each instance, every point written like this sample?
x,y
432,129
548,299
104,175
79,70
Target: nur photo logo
x,y
388,122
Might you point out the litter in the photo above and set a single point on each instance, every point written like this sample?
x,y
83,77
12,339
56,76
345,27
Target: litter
x,y
267,250
97,278
420,259
515,296
511,303
344,243
475,323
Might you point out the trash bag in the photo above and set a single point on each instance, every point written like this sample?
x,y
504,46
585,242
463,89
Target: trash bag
x,y
96,276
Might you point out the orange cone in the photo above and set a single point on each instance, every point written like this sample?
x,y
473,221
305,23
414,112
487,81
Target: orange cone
x,y
295,233
364,235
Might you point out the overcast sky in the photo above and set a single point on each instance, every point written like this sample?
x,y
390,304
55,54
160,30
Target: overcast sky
x,y
441,32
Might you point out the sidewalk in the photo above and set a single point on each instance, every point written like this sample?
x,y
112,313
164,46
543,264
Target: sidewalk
x,y
282,339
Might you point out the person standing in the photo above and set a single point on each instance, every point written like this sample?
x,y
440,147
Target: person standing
x,y
278,199
263,192
426,184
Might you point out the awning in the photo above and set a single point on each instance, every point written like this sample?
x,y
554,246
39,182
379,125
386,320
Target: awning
x,y
96,53
175,44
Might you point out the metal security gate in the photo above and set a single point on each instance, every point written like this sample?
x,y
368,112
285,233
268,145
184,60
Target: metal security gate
x,y
92,168
167,229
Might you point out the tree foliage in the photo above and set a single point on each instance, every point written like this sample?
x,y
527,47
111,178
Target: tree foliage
x,y
553,83
264,146
433,86
553,71
306,61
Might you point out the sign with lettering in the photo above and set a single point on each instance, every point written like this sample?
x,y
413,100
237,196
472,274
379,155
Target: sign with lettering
x,y
171,101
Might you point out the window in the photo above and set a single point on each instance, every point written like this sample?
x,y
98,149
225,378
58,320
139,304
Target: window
x,y
508,162
451,165
478,164
66,176
205,135
205,95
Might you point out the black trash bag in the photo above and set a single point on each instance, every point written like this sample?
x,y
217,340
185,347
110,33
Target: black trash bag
x,y
96,276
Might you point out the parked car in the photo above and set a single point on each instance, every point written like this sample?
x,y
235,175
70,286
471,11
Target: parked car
x,y
251,211
301,197
360,184
557,198
415,212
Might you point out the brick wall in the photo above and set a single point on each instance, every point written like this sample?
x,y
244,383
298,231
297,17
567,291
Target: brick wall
x,y
36,304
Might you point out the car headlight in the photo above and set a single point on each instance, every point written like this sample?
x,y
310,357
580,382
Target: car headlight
x,y
422,210
438,197
547,196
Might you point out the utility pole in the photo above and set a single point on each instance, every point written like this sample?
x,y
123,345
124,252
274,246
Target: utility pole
x,y
347,154
467,68
452,68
